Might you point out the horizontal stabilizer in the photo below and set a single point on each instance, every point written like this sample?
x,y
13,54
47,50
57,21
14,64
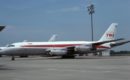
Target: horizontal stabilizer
x,y
119,43
103,42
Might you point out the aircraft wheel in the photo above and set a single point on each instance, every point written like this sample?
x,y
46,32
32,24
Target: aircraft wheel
x,y
13,58
23,56
68,56
95,54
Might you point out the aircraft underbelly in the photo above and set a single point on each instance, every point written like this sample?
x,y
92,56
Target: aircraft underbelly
x,y
27,51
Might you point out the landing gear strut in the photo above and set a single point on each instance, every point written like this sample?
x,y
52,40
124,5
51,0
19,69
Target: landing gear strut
x,y
13,58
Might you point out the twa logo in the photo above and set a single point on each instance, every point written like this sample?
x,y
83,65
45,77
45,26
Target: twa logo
x,y
110,35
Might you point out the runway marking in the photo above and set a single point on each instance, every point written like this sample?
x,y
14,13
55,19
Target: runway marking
x,y
82,71
52,69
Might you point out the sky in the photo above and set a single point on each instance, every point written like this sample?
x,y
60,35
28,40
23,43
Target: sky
x,y
38,20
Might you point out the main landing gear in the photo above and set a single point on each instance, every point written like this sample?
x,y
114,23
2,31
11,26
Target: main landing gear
x,y
68,56
13,58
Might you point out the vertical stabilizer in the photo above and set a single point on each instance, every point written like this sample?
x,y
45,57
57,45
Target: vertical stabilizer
x,y
53,38
110,33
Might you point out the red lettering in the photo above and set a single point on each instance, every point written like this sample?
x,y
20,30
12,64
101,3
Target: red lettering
x,y
110,35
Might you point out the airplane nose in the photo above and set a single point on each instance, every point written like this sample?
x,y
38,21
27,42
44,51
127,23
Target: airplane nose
x,y
8,51
1,52
4,51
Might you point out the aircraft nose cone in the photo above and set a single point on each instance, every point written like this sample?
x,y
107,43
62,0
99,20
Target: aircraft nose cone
x,y
1,52
4,51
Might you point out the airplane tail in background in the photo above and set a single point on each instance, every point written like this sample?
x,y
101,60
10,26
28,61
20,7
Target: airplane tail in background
x,y
110,33
53,38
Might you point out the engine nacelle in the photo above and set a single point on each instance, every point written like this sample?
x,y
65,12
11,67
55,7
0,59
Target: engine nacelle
x,y
83,48
57,52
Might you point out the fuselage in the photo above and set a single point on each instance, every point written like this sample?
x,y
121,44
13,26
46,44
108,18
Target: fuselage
x,y
56,44
38,48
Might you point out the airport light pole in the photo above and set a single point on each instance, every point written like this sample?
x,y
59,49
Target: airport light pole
x,y
91,12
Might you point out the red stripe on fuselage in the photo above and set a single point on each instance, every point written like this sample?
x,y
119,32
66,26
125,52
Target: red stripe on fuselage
x,y
55,45
61,45
102,47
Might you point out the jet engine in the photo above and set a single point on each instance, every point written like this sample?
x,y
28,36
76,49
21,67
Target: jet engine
x,y
83,48
57,52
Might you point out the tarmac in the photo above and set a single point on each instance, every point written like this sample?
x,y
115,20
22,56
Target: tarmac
x,y
84,68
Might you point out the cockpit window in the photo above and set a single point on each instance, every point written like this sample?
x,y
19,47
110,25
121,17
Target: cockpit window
x,y
10,45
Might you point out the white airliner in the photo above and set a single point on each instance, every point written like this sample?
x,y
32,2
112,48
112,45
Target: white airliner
x,y
53,38
66,49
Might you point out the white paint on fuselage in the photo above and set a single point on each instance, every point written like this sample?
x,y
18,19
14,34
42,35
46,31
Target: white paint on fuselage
x,y
19,44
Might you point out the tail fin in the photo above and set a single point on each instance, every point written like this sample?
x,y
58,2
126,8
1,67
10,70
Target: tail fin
x,y
110,33
53,38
